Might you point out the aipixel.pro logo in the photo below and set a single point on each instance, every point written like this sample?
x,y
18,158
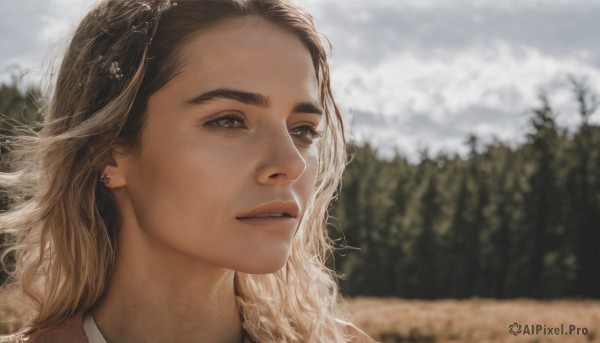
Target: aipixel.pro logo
x,y
542,329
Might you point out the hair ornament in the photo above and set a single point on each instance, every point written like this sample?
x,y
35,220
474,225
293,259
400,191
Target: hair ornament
x,y
146,6
161,6
165,5
115,71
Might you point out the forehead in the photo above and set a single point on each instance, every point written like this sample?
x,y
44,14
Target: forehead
x,y
246,50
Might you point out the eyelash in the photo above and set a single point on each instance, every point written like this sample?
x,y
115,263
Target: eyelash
x,y
314,134
214,123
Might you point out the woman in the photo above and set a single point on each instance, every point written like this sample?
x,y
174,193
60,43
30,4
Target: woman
x,y
178,190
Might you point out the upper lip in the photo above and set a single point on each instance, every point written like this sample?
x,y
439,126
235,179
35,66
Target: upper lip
x,y
289,208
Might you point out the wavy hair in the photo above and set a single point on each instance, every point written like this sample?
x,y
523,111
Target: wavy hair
x,y
63,223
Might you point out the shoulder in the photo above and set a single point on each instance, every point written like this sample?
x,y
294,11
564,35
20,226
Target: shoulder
x,y
355,334
71,331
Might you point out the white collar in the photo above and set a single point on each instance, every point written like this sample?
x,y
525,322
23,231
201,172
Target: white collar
x,y
91,329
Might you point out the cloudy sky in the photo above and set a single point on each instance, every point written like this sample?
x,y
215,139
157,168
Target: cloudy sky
x,y
408,74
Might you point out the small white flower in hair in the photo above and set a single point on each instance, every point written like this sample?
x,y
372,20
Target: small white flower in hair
x,y
146,6
165,5
115,71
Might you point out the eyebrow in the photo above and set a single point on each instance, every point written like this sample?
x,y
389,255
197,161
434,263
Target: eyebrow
x,y
254,99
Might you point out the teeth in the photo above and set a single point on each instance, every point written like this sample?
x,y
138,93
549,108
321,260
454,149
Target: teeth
x,y
270,215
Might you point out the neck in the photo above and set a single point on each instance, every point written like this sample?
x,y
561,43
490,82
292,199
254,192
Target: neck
x,y
160,295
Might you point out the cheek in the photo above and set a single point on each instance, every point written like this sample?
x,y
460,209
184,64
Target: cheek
x,y
309,176
188,208
312,164
181,191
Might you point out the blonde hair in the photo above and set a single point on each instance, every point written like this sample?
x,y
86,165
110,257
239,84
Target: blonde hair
x,y
63,223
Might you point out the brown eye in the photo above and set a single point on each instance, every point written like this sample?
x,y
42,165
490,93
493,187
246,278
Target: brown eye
x,y
306,132
226,122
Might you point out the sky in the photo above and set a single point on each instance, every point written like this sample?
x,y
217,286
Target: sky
x,y
407,74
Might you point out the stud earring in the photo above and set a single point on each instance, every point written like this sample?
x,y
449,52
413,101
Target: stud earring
x,y
105,179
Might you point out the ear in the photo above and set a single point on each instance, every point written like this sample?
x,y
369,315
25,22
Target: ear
x,y
116,169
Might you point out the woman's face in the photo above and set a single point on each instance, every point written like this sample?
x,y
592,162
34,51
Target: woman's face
x,y
227,139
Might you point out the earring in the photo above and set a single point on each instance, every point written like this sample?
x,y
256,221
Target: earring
x,y
105,179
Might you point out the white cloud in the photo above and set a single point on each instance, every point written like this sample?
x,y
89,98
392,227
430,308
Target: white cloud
x,y
477,90
34,31
415,72
61,19
436,4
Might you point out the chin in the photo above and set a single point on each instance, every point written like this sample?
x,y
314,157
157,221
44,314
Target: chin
x,y
264,265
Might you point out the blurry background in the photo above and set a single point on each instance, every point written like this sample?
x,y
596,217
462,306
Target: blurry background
x,y
476,174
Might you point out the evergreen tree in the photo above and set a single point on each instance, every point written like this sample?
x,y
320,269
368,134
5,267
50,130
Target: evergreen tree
x,y
540,200
584,183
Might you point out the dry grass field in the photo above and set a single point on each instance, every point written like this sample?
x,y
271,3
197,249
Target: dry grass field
x,y
447,321
474,320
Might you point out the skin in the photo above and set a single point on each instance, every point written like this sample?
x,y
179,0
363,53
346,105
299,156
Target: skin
x,y
180,241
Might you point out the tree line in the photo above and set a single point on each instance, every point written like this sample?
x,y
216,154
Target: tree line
x,y
502,222
17,107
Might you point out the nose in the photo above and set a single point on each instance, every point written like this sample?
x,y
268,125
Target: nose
x,y
282,162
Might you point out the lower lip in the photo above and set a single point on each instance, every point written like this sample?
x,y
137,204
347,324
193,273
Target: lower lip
x,y
283,222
